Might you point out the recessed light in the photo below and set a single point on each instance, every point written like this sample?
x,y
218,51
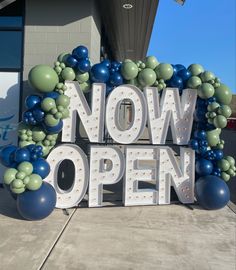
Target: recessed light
x,y
127,6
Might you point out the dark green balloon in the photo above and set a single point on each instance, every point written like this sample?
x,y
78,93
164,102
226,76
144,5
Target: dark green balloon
x,y
223,94
43,78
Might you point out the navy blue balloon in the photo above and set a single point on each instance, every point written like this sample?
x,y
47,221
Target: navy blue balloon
x,y
184,74
179,67
52,94
83,66
99,73
7,187
116,79
203,167
41,167
71,61
212,192
193,144
32,100
199,115
7,155
176,82
218,154
109,88
81,52
21,154
107,63
36,205
200,134
54,129
38,114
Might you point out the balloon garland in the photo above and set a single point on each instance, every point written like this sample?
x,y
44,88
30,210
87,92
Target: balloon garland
x,y
43,121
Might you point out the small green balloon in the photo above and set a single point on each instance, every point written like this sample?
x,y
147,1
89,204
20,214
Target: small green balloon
x,y
129,70
193,82
213,137
50,120
43,78
225,176
212,107
17,190
195,69
38,134
220,121
63,100
231,160
230,172
205,90
35,182
146,77
65,113
225,110
164,71
68,74
207,76
223,164
223,94
9,175
17,183
25,143
26,180
82,77
151,62
20,175
48,104
45,149
85,86
46,142
25,167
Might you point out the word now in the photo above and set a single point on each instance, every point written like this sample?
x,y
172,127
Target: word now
x,y
133,165
147,106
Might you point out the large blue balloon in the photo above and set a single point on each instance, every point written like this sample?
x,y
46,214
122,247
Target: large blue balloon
x,y
54,129
7,155
81,52
184,74
116,79
22,154
41,167
32,100
212,192
36,205
99,73
204,167
71,61
176,81
83,66
106,62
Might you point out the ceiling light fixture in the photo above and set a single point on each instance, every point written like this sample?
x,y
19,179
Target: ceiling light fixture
x,y
127,6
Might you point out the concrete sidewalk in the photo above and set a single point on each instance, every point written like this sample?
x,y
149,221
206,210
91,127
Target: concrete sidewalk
x,y
151,237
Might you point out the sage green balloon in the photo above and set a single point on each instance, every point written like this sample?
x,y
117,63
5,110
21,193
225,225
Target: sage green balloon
x,y
195,69
82,77
133,82
26,180
62,57
45,149
205,90
146,77
63,100
38,134
68,74
50,120
212,107
231,160
223,94
25,143
20,175
35,182
43,78
9,175
25,167
85,86
151,62
129,70
225,176
230,172
48,104
17,190
193,82
225,110
65,113
207,76
223,164
164,71
17,183
220,121
213,137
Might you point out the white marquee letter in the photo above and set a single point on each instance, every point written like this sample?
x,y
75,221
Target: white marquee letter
x,y
71,197
136,172
180,113
93,120
99,176
114,101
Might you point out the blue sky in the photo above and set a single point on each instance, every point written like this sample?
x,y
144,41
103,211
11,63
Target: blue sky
x,y
201,31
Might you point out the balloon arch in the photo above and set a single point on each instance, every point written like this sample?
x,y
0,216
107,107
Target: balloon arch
x,y
43,121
